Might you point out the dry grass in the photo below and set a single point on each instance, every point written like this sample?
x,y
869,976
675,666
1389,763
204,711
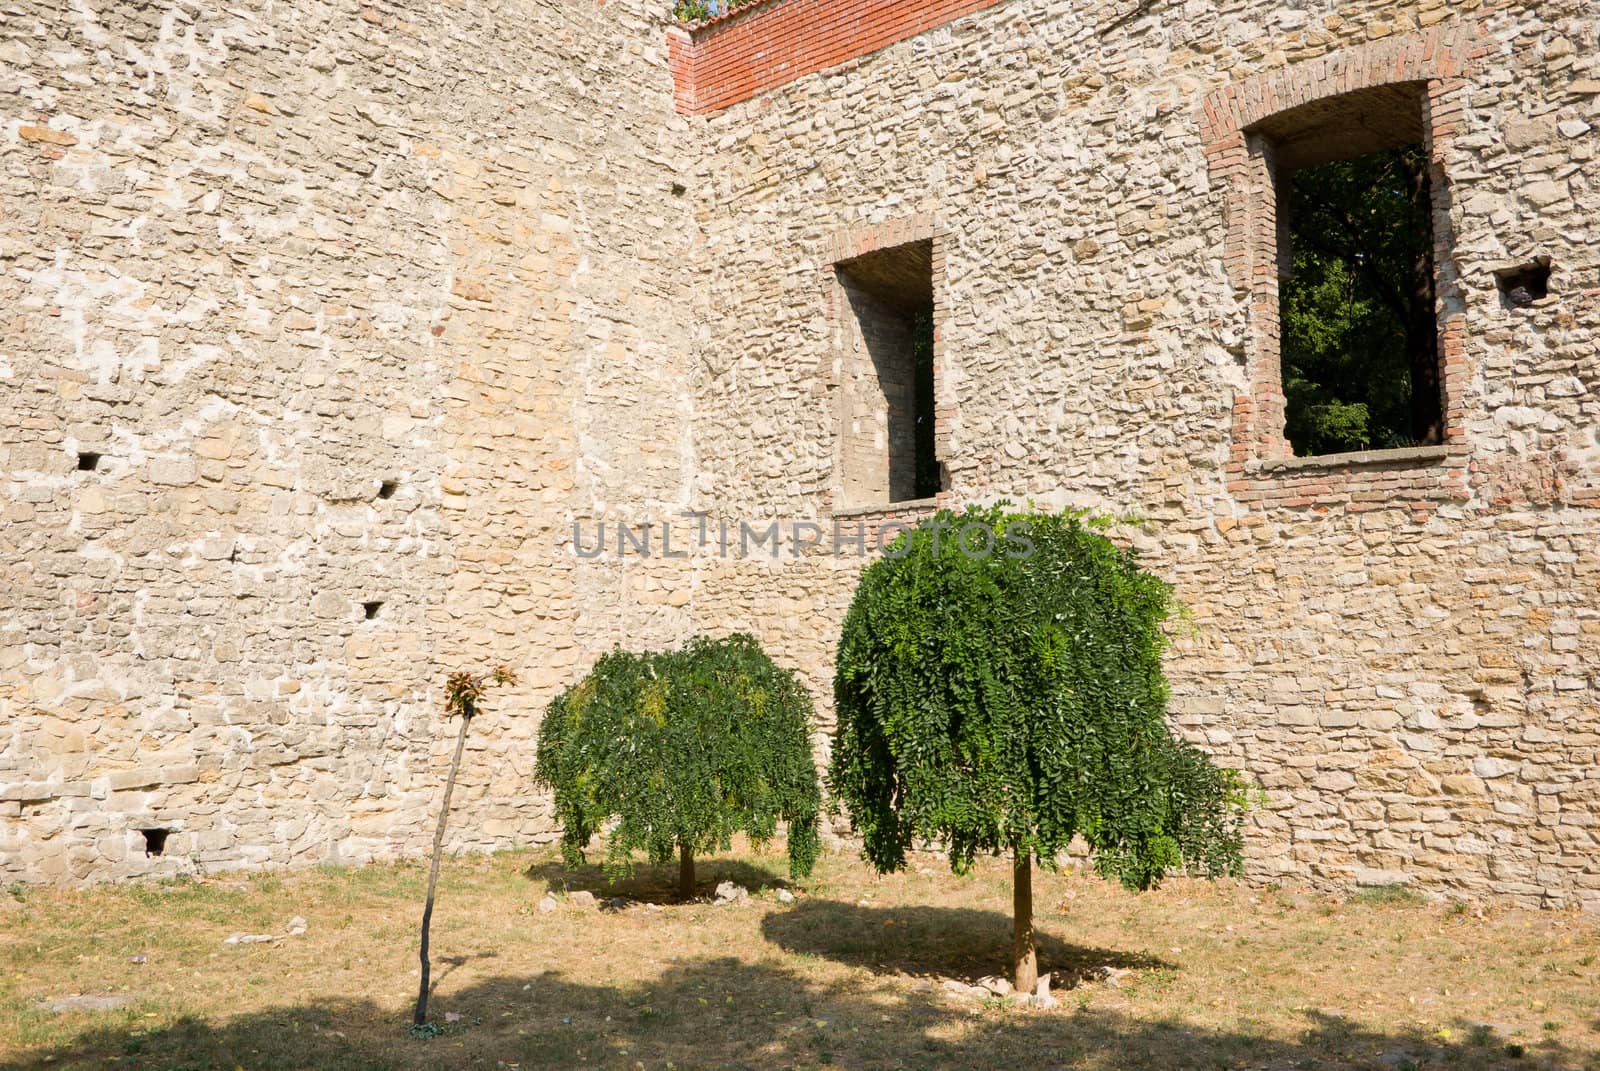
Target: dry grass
x,y
1221,977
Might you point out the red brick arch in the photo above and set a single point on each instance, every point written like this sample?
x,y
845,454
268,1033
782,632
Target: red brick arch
x,y
1261,468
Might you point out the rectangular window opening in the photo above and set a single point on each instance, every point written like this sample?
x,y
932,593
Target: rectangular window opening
x,y
155,841
888,452
88,461
1357,320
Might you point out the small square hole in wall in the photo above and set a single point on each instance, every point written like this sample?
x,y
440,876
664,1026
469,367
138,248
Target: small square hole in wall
x,y
679,189
1524,284
387,488
88,461
371,609
155,841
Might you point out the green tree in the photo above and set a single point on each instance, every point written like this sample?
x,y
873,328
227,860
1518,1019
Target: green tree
x,y
684,748
1359,331
1004,702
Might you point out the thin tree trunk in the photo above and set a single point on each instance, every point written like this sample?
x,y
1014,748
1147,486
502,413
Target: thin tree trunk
x,y
1024,959
685,872
421,1014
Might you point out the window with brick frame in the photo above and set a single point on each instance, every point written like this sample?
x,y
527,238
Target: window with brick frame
x,y
1358,343
887,446
1373,98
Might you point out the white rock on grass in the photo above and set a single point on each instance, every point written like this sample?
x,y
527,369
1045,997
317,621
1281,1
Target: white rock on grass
x,y
996,985
1115,977
962,989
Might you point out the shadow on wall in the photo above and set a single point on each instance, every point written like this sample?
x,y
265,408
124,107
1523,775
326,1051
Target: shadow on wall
x,y
726,1013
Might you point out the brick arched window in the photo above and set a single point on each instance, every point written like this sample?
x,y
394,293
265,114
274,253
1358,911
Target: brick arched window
x,y
1405,91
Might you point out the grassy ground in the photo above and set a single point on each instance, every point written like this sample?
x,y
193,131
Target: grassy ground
x,y
847,977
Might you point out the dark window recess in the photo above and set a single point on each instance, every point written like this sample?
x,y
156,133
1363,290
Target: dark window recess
x,y
679,189
371,609
387,488
88,462
927,461
1526,283
1358,330
890,294
155,840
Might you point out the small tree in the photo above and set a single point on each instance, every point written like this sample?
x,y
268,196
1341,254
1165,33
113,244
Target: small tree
x,y
684,748
462,694
999,689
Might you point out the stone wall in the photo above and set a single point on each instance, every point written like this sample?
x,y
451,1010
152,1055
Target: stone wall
x,y
356,303
1398,648
364,303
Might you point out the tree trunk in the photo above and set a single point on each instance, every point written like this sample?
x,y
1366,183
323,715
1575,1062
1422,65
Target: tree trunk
x,y
685,872
420,1016
1024,960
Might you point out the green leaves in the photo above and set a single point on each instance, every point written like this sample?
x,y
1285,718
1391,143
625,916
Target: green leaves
x,y
700,10
1016,700
683,747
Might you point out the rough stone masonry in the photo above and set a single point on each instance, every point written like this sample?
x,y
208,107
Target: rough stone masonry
x,y
325,321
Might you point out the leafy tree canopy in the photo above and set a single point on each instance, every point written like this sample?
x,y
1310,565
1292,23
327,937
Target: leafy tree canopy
x,y
683,748
1011,700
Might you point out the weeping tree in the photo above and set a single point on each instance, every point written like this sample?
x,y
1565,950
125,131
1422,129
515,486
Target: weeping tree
x,y
999,691
683,748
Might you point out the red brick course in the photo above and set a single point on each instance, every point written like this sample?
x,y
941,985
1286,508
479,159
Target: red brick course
x,y
724,61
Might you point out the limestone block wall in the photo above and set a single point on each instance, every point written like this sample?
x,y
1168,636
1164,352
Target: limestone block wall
x,y
324,322
353,303
1400,653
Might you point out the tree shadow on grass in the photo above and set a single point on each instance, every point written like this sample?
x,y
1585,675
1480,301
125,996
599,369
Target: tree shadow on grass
x,y
653,884
448,965
725,1013
932,942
